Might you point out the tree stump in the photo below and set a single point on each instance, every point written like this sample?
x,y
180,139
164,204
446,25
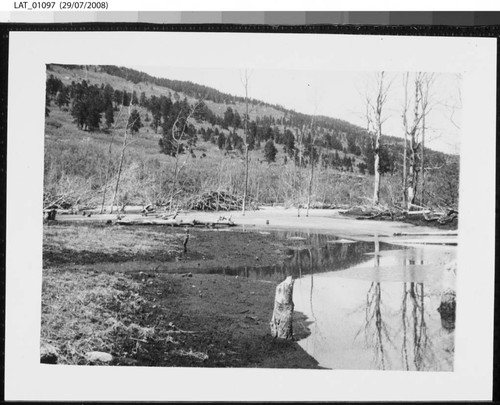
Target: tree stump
x,y
447,308
281,322
51,215
186,240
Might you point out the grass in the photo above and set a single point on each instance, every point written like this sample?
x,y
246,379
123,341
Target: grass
x,y
83,244
84,312
107,239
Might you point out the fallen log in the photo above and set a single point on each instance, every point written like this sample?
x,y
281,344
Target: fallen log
x,y
430,233
60,211
213,223
171,222
177,222
168,216
423,212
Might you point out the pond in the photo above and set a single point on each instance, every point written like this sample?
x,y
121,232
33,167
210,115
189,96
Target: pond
x,y
366,305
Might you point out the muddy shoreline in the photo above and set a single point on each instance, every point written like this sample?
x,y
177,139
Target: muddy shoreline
x,y
227,317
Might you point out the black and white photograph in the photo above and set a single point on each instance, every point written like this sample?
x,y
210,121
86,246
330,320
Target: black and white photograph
x,y
270,204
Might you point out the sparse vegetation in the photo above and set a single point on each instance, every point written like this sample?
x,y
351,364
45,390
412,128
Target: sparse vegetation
x,y
90,303
212,154
84,312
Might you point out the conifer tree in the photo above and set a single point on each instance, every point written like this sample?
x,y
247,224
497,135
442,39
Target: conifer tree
x,y
270,151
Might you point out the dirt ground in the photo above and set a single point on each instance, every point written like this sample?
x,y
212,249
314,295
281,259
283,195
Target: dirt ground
x,y
195,319
229,320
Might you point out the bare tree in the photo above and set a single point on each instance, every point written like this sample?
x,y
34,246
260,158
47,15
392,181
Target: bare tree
x,y
426,107
405,128
415,132
179,132
245,80
374,116
108,168
128,125
299,153
312,135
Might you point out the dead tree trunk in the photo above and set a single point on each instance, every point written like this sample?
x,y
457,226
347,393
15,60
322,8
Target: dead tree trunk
x,y
405,125
186,240
110,156
424,97
311,177
119,169
376,186
374,110
281,322
414,146
246,144
422,175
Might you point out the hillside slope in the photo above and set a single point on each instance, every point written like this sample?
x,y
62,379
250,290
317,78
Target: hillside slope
x,y
84,160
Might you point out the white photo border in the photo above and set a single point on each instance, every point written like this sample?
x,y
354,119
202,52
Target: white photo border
x,y
30,51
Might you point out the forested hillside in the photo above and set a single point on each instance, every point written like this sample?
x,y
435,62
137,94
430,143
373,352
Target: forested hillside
x,y
116,136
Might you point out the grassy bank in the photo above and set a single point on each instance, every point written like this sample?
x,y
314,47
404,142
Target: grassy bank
x,y
159,318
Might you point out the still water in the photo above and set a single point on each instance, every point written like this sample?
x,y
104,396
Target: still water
x,y
367,305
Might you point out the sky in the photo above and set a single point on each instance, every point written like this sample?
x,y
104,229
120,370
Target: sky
x,y
326,74
337,94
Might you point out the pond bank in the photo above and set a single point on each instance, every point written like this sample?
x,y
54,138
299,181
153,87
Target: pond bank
x,y
90,270
183,316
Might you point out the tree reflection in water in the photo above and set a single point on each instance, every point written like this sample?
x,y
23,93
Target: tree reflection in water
x,y
423,354
404,346
416,349
376,331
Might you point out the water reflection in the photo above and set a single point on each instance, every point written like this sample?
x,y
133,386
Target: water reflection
x,y
368,305
382,313
308,253
415,345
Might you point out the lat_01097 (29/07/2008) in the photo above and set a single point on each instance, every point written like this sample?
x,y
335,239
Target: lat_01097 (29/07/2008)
x,y
61,5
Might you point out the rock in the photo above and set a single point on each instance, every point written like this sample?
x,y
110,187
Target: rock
x,y
48,354
48,358
98,357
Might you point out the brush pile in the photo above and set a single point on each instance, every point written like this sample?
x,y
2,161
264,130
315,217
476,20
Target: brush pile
x,y
61,202
215,201
424,216
442,218
375,212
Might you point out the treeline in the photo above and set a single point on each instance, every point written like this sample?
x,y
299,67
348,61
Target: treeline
x,y
198,91
89,104
94,107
